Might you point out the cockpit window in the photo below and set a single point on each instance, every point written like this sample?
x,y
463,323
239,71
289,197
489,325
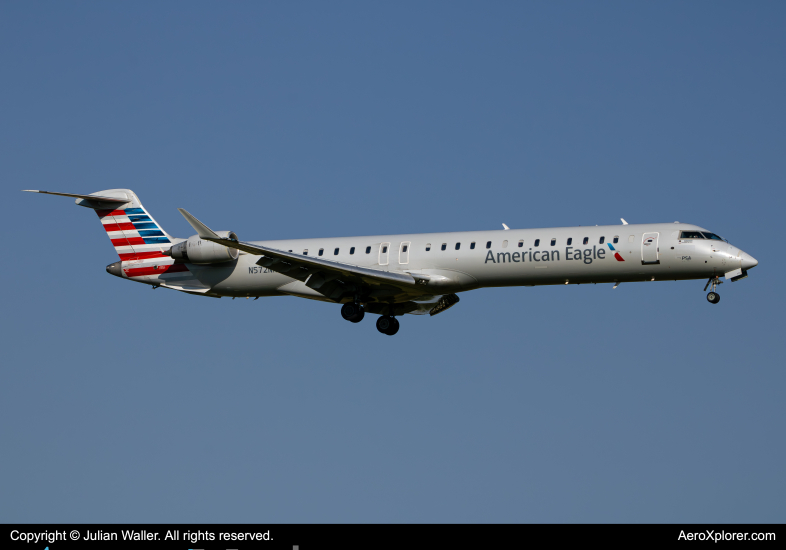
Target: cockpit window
x,y
712,236
691,235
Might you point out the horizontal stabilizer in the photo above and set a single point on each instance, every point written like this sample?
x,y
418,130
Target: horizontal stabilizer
x,y
86,197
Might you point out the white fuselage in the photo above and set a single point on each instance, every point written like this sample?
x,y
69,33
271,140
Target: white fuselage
x,y
516,257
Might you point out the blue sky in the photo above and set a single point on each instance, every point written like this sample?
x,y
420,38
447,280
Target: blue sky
x,y
288,120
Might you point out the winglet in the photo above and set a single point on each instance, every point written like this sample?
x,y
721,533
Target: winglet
x,y
623,221
202,230
506,227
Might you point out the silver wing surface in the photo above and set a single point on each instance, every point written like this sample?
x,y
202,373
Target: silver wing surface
x,y
336,281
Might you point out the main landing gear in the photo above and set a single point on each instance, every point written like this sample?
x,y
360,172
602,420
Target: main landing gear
x,y
387,325
712,296
353,312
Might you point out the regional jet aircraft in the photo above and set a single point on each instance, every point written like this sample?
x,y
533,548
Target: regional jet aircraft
x,y
390,275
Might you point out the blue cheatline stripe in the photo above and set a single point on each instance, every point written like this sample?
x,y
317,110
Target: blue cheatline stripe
x,y
145,225
151,234
134,211
610,246
156,240
139,218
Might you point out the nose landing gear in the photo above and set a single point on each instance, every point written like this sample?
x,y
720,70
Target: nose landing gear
x,y
712,296
387,325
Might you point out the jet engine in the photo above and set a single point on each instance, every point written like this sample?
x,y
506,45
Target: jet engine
x,y
196,250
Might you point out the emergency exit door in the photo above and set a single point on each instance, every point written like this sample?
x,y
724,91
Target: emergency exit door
x,y
384,251
403,252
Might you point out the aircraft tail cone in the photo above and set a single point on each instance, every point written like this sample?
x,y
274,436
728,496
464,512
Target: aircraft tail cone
x,y
115,269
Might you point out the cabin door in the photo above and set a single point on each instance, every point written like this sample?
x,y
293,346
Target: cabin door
x,y
649,248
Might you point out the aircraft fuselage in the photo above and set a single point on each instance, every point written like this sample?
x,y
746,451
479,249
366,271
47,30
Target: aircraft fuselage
x,y
475,259
392,275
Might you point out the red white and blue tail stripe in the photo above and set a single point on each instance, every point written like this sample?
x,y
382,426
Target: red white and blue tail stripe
x,y
140,241
134,233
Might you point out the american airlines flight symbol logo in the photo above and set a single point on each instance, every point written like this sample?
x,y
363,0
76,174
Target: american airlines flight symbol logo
x,y
616,254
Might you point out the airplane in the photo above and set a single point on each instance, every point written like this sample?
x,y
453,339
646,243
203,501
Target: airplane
x,y
393,275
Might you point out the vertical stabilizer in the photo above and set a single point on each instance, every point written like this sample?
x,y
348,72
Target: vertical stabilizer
x,y
138,240
131,229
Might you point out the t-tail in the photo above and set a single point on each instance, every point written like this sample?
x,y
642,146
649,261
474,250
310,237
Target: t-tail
x,y
131,229
141,243
139,240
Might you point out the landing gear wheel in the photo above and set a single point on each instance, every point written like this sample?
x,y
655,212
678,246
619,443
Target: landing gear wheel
x,y
348,311
713,297
353,312
387,325
384,323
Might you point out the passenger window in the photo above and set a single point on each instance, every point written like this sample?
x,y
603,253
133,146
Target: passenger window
x,y
586,240
521,243
537,242
352,250
458,245
305,252
403,250
444,246
472,245
570,241
553,242
616,239
488,244
630,239
290,251
321,250
602,240
368,250
504,244
428,247
384,249
335,252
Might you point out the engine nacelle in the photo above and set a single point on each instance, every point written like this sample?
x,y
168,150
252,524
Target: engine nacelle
x,y
196,250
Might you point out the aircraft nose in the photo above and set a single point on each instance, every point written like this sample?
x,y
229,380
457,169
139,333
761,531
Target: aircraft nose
x,y
748,261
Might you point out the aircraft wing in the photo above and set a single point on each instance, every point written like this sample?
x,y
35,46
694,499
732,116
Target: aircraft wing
x,y
333,280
